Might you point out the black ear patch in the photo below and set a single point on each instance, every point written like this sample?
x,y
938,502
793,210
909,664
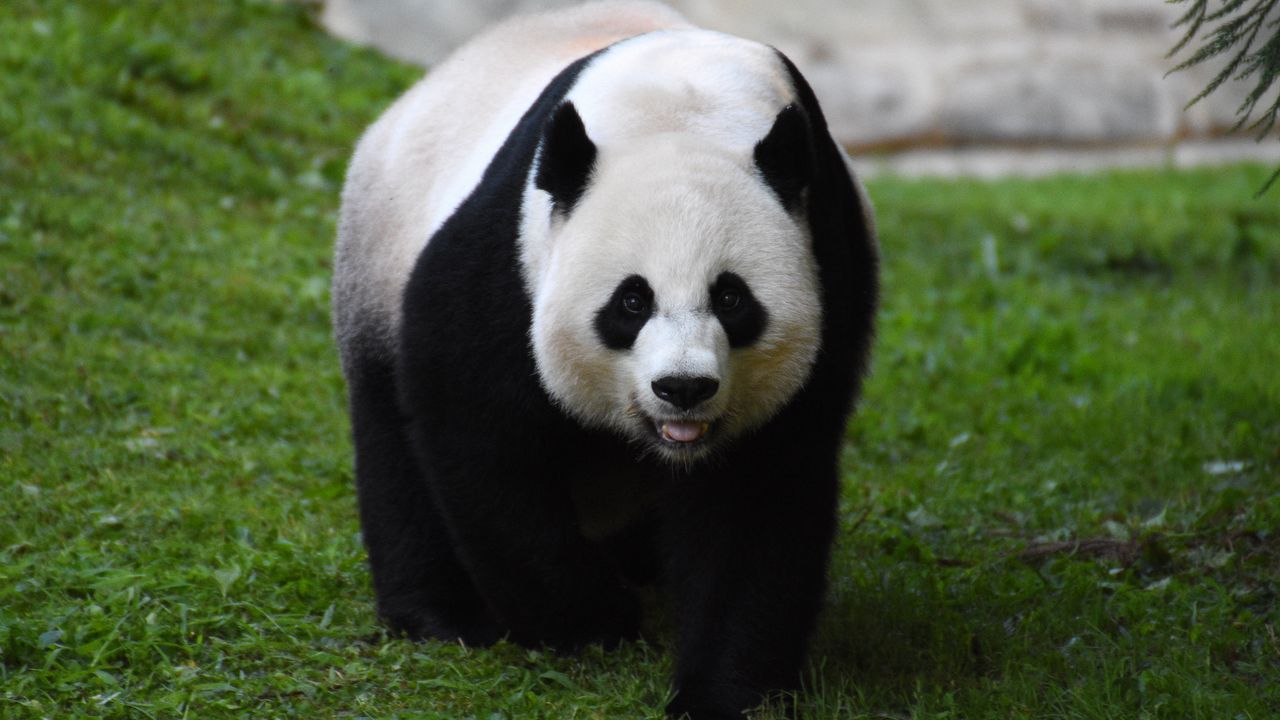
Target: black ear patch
x,y
785,156
567,159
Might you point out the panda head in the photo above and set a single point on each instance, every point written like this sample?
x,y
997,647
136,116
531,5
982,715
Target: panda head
x,y
675,292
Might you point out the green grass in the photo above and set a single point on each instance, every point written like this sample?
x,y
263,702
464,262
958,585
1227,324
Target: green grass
x,y
1062,488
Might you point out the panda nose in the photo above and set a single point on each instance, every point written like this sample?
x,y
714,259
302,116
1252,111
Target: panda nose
x,y
685,392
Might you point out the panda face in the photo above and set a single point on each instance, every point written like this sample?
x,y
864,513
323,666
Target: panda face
x,y
677,301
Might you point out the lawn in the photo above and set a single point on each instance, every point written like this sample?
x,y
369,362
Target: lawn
x,y
1062,489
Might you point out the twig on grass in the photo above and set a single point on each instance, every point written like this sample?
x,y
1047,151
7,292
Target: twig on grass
x,y
1123,551
857,522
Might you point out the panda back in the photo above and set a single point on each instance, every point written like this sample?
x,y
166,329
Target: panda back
x,y
417,163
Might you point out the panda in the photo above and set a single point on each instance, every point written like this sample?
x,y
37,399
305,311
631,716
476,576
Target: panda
x,y
603,293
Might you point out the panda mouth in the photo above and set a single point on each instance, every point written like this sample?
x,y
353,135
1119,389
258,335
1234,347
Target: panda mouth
x,y
682,433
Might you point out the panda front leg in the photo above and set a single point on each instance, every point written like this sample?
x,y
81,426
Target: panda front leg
x,y
422,590
517,535
746,556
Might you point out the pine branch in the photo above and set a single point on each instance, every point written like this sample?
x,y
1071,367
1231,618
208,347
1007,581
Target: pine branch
x,y
1237,26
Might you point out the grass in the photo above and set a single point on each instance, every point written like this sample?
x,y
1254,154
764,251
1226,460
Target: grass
x,y
1063,485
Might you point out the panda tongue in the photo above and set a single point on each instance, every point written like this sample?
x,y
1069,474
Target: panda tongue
x,y
681,431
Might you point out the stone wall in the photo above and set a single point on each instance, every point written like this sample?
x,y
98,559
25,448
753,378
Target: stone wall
x,y
898,73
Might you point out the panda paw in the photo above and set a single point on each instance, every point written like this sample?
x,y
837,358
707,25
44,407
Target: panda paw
x,y
711,701
426,625
680,710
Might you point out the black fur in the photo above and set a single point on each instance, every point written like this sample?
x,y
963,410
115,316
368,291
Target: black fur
x,y
470,525
616,323
746,318
405,536
785,156
567,159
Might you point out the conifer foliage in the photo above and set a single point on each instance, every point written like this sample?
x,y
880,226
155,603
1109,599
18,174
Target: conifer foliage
x,y
1251,30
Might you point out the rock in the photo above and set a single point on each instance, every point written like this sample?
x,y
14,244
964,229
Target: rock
x,y
1063,95
871,96
896,72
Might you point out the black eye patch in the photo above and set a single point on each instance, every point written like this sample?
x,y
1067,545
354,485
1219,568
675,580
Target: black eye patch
x,y
628,309
740,314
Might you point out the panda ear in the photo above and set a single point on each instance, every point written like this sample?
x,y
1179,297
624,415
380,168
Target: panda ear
x,y
785,156
567,159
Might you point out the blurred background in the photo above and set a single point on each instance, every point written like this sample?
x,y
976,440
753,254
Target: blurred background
x,y
983,87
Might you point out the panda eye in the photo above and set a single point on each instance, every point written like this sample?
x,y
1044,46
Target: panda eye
x,y
634,303
621,317
728,299
741,315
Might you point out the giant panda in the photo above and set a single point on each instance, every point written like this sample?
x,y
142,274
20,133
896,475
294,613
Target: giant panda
x,y
603,291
